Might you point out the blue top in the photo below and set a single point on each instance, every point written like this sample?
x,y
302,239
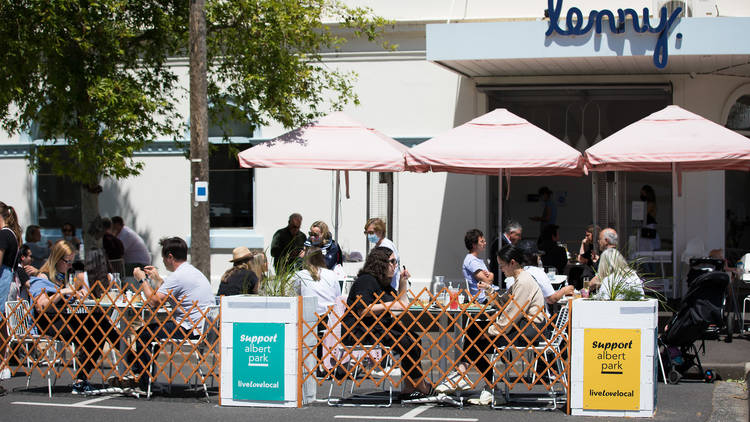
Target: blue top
x,y
472,264
37,284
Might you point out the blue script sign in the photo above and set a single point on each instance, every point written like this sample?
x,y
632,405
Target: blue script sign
x,y
574,25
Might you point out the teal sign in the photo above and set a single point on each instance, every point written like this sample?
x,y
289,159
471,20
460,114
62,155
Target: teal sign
x,y
258,361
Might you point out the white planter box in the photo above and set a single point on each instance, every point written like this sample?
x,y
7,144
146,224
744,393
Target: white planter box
x,y
613,358
255,369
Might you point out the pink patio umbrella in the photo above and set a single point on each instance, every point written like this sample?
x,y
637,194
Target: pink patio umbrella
x,y
497,143
671,140
334,142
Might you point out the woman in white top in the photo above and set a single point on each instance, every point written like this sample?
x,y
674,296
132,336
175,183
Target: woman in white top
x,y
317,280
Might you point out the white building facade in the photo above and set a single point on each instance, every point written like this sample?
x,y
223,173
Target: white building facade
x,y
457,60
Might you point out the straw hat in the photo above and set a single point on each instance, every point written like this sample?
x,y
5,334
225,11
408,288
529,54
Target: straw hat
x,y
241,253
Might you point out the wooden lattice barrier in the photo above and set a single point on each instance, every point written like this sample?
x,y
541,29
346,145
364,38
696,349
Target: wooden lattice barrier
x,y
90,337
443,335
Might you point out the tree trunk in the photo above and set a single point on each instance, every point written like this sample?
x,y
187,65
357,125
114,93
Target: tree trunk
x,y
200,249
91,226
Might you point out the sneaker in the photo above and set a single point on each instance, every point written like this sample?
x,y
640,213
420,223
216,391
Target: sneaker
x,y
485,398
394,372
454,381
5,374
82,387
125,382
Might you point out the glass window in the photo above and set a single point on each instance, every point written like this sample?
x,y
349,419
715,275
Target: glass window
x,y
230,188
58,198
739,114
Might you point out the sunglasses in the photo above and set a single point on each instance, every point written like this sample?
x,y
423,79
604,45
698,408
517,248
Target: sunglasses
x,y
393,261
313,234
370,232
66,261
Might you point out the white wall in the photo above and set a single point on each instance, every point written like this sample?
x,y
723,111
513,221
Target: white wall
x,y
16,188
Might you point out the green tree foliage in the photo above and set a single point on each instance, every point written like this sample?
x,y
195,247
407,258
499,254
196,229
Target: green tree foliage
x,y
96,74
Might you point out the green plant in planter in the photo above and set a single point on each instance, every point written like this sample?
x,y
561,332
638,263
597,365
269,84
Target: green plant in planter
x,y
619,278
282,283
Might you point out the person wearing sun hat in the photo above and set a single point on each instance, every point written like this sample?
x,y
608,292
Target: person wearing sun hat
x,y
240,278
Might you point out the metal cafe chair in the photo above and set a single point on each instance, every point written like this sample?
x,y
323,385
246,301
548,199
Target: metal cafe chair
x,y
20,329
205,343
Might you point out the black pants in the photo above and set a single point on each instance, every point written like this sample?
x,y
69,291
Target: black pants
x,y
410,353
141,357
87,331
406,346
478,352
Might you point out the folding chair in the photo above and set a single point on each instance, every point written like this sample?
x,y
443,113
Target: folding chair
x,y
205,343
533,353
20,329
343,354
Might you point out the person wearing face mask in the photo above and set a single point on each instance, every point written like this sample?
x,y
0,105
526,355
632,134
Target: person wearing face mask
x,y
320,237
375,232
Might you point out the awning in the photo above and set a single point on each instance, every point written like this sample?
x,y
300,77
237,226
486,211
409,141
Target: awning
x,y
701,45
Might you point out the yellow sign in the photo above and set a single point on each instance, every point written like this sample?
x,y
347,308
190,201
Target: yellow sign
x,y
611,369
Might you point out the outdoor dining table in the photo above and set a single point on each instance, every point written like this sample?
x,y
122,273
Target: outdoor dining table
x,y
120,306
443,312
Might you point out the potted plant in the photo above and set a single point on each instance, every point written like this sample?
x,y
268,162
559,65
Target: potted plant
x,y
259,344
613,345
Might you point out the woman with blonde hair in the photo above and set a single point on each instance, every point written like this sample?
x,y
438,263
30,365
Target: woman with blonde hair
x,y
240,278
320,237
60,261
317,280
87,331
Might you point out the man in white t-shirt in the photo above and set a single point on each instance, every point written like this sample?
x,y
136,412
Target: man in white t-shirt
x,y
189,292
478,277
136,253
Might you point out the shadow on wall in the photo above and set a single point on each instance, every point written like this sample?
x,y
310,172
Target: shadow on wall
x,y
460,200
114,201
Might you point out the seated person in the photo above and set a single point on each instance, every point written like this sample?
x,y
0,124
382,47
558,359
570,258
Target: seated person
x,y
374,280
240,279
478,278
531,256
86,331
317,280
96,278
554,254
528,303
189,292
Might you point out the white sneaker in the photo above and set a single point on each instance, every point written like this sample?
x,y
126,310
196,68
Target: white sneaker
x,y
395,372
485,398
454,381
5,374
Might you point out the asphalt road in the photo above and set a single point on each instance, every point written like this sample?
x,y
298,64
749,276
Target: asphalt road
x,y
687,401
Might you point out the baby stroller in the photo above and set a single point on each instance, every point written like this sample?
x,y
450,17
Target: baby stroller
x,y
701,307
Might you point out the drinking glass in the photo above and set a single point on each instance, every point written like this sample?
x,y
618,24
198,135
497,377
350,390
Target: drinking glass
x,y
453,301
551,272
586,282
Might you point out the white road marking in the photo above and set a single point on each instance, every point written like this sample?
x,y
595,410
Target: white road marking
x,y
411,415
416,411
86,404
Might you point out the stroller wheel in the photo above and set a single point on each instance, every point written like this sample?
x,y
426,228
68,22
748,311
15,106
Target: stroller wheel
x,y
673,376
709,376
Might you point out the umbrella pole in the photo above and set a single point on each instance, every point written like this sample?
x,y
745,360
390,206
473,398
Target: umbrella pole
x,y
500,206
336,207
677,292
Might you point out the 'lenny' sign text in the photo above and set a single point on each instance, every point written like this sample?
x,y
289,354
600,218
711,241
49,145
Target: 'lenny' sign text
x,y
574,25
